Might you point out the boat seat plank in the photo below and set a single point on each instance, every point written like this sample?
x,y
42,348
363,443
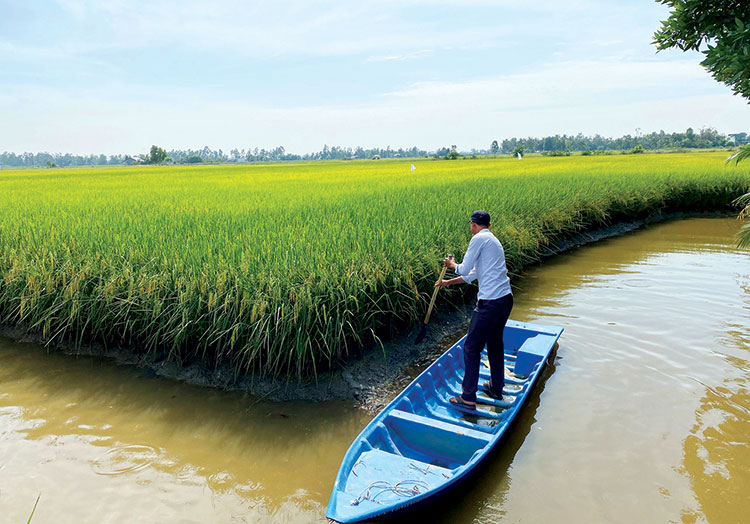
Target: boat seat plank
x,y
455,389
531,352
453,428
434,441
441,413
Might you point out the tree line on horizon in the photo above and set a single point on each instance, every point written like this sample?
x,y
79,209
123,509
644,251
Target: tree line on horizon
x,y
704,138
707,137
158,155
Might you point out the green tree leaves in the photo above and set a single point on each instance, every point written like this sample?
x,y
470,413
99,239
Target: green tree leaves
x,y
157,155
717,28
719,25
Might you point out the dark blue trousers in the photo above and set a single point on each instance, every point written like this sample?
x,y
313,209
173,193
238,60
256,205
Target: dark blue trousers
x,y
486,328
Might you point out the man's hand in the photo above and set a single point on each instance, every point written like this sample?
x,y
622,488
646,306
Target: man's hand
x,y
442,283
450,263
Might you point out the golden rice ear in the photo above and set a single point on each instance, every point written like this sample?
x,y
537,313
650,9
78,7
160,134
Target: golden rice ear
x,y
261,268
744,237
744,201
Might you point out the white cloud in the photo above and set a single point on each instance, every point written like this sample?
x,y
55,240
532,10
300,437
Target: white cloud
x,y
570,97
563,82
585,78
397,58
263,28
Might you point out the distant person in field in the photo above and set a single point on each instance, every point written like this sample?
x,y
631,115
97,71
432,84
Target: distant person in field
x,y
484,261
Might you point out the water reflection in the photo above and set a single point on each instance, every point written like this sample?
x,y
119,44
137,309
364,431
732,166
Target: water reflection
x,y
222,455
717,451
646,417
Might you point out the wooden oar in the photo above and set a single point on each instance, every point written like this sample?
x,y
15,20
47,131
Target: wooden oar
x,y
423,331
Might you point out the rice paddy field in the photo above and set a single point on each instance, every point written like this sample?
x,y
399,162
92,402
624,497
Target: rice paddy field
x,y
285,269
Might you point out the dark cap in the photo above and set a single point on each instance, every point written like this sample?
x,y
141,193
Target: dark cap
x,y
481,218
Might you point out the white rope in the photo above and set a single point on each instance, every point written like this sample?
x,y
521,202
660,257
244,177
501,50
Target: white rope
x,y
399,489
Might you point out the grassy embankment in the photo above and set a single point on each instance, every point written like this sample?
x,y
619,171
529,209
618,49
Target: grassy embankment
x,y
284,268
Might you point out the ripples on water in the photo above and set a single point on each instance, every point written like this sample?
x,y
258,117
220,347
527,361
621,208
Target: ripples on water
x,y
645,416
120,460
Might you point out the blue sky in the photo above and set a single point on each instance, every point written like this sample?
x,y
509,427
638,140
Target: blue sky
x,y
117,76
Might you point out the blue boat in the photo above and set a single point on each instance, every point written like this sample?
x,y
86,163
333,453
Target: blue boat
x,y
420,445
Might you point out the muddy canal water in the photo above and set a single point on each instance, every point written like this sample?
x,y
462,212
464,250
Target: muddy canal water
x,y
644,417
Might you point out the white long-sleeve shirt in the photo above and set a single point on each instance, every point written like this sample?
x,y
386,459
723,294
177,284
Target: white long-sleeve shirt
x,y
485,261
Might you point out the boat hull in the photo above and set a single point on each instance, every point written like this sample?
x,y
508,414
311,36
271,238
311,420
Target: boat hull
x,y
420,445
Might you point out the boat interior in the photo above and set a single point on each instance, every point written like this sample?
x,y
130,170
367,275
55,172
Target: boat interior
x,y
422,440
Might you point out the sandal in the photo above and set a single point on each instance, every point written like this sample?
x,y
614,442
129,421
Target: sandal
x,y
459,401
490,391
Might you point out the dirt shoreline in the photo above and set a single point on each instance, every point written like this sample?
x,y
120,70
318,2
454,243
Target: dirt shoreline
x,y
368,380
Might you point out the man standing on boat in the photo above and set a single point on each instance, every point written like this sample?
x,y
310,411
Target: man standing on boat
x,y
484,261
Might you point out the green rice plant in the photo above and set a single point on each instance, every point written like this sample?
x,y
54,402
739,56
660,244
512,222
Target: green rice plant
x,y
743,237
289,268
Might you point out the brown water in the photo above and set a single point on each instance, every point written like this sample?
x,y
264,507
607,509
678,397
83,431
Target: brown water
x,y
645,416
